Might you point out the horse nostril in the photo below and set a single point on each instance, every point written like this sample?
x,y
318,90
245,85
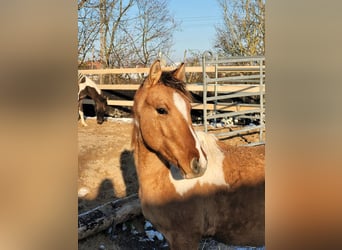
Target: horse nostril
x,y
195,166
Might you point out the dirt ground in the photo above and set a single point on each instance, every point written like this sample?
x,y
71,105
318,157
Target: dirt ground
x,y
106,172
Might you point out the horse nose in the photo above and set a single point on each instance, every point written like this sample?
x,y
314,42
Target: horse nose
x,y
197,168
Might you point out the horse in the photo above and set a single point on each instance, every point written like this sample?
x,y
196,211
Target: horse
x,y
87,87
191,185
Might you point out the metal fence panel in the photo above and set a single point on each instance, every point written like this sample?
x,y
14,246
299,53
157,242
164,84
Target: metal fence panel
x,y
246,80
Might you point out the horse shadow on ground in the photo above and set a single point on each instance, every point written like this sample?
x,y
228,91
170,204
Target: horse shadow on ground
x,y
129,172
125,236
106,191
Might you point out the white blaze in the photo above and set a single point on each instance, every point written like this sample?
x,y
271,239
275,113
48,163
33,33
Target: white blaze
x,y
181,106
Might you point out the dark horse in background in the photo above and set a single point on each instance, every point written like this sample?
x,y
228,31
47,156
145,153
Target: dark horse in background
x,y
87,87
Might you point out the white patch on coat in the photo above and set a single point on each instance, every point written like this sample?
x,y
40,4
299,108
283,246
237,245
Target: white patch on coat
x,y
89,83
214,175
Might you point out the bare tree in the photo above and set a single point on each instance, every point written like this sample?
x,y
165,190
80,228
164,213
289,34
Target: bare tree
x,y
88,28
81,3
125,32
151,32
112,12
98,23
243,30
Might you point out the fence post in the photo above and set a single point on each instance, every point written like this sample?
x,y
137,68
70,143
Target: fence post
x,y
261,86
205,115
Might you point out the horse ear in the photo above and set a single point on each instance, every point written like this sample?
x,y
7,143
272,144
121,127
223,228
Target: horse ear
x,y
155,73
83,79
179,73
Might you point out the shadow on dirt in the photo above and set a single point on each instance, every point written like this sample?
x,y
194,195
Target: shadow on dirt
x,y
131,234
129,173
106,191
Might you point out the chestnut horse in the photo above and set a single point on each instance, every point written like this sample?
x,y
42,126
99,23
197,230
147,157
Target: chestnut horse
x,y
190,184
87,87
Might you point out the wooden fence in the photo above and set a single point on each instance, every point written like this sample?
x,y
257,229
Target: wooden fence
x,y
193,87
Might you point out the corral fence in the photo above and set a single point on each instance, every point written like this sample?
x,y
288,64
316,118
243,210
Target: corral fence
x,y
223,92
246,99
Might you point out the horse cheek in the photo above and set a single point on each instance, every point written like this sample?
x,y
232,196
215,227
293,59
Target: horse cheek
x,y
151,134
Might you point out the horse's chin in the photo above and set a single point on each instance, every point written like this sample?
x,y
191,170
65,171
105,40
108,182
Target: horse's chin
x,y
100,121
177,172
192,176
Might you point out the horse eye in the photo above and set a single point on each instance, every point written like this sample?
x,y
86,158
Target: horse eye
x,y
162,111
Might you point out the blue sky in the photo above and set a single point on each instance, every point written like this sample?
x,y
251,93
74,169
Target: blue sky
x,y
197,30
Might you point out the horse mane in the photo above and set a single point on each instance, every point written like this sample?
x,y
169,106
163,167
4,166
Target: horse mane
x,y
169,80
103,98
209,143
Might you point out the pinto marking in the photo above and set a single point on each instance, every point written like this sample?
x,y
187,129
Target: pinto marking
x,y
85,81
214,174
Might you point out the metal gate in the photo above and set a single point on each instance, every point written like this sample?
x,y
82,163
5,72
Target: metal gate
x,y
247,76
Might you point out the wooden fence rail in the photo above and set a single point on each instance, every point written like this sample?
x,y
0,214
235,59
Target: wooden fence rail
x,y
193,87
193,69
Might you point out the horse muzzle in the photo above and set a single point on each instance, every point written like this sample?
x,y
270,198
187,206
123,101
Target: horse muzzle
x,y
100,119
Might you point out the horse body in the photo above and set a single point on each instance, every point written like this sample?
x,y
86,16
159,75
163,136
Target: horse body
x,y
86,87
190,184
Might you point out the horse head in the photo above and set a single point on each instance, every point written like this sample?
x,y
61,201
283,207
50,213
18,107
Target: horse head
x,y
163,121
100,109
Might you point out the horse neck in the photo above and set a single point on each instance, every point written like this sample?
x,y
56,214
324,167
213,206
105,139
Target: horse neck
x,y
152,172
94,94
148,163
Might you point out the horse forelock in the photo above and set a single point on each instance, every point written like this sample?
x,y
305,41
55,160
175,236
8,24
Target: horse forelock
x,y
169,80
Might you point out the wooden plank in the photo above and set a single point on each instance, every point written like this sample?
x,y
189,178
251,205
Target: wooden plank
x,y
120,103
121,71
196,106
190,87
192,69
118,86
